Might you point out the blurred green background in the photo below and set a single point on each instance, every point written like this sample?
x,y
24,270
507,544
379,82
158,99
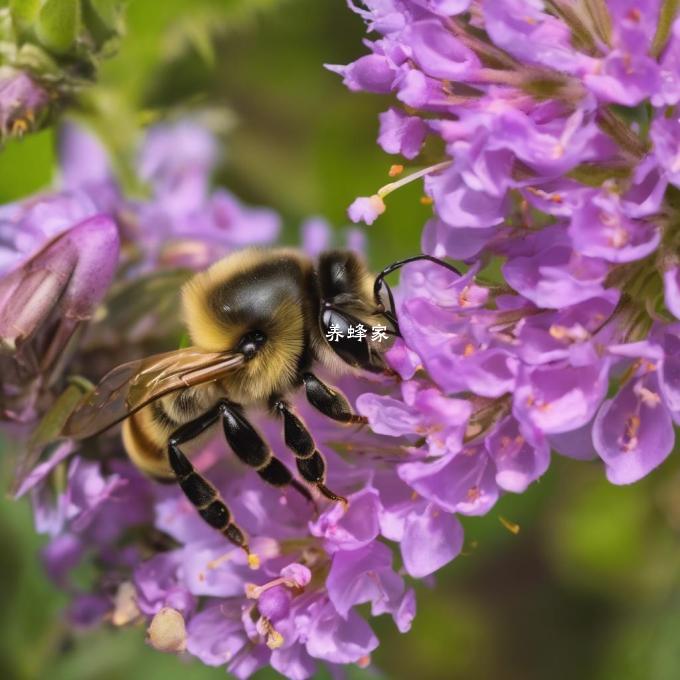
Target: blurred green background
x,y
589,588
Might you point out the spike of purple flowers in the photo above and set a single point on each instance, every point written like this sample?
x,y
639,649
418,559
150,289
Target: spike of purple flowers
x,y
572,197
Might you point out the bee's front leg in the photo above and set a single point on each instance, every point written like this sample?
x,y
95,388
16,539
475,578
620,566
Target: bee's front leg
x,y
329,402
310,463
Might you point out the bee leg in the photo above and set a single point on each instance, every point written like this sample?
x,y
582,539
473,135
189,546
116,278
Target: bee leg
x,y
253,450
202,494
329,402
310,462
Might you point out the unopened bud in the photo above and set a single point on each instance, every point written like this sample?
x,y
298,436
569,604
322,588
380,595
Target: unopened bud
x,y
167,631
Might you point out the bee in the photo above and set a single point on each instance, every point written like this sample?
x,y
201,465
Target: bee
x,y
260,322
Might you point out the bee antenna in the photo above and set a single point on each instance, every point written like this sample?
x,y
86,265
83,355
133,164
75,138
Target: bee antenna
x,y
380,282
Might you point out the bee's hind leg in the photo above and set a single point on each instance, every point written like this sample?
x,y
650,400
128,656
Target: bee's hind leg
x,y
250,448
310,462
202,494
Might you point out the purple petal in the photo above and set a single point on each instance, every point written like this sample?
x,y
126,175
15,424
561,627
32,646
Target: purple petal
x,y
624,78
293,662
461,205
599,228
357,576
371,73
577,444
157,584
366,209
521,455
463,482
352,528
389,416
83,161
671,285
432,538
559,398
406,611
442,240
633,432
216,635
404,361
339,640
401,134
439,53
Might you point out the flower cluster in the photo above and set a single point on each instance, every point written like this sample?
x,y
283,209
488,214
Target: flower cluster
x,y
151,557
559,132
559,137
291,606
61,251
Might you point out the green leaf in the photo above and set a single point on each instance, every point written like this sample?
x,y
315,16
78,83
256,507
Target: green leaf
x,y
24,12
667,14
108,11
59,24
53,421
49,428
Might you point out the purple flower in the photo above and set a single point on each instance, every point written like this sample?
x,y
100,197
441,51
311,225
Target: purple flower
x,y
601,228
633,432
560,212
186,224
23,103
55,276
372,73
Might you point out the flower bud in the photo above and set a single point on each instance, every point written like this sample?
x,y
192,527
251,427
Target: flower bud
x,y
167,631
23,103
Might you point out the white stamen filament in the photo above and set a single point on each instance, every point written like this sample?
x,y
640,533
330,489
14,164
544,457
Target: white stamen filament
x,y
393,186
647,396
254,591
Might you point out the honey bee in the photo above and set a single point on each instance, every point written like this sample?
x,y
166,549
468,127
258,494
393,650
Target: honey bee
x,y
260,321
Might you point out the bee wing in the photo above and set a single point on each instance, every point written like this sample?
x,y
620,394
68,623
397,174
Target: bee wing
x,y
131,386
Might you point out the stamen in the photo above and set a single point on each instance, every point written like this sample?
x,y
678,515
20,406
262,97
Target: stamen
x,y
629,440
473,493
274,639
395,170
575,333
647,396
219,561
253,591
393,186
